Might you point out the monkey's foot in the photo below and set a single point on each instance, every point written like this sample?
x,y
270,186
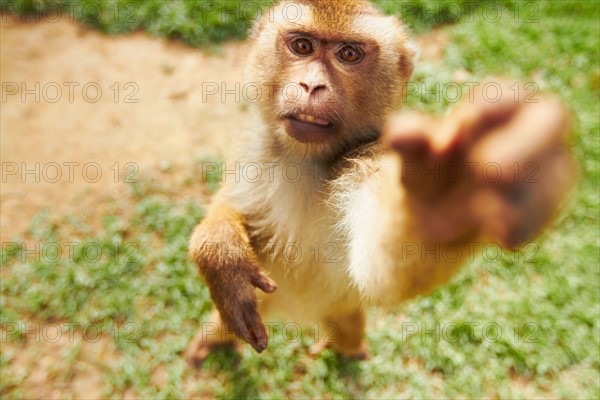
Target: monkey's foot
x,y
359,352
196,352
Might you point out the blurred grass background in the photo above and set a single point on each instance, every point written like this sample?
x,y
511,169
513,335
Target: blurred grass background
x,y
548,309
199,23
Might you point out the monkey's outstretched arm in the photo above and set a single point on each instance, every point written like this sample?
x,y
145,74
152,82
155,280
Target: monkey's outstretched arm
x,y
487,172
505,165
221,249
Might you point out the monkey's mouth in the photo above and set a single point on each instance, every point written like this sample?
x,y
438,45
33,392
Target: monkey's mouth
x,y
311,119
307,128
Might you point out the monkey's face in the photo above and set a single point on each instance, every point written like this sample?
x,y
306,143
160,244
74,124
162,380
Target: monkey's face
x,y
331,78
316,99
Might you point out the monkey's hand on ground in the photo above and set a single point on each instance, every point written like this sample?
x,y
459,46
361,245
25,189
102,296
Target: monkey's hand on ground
x,y
499,169
232,275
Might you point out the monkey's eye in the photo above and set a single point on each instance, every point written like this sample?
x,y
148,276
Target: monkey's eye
x,y
350,54
302,47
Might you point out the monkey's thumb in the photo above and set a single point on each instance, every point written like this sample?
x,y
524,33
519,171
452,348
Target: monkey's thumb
x,y
263,282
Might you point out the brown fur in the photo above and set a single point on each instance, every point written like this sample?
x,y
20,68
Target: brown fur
x,y
349,212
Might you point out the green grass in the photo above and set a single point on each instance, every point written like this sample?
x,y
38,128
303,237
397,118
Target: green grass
x,y
199,23
203,22
548,310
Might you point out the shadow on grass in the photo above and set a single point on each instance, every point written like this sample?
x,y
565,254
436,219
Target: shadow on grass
x,y
344,374
239,380
243,378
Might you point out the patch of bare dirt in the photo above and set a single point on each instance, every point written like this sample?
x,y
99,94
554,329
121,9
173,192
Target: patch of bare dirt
x,y
76,104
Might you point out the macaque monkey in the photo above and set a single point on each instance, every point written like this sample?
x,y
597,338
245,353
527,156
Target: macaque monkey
x,y
346,184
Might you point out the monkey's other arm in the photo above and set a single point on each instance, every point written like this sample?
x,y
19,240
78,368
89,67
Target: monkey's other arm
x,y
221,248
488,172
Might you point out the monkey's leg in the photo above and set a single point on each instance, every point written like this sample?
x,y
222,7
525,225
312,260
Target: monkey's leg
x,y
345,333
212,334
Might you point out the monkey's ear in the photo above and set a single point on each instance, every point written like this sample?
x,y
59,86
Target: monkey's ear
x,y
409,53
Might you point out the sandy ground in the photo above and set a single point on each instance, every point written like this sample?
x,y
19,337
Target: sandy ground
x,y
58,131
150,112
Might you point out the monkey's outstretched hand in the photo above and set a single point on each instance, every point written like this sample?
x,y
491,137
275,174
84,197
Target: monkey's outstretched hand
x,y
500,169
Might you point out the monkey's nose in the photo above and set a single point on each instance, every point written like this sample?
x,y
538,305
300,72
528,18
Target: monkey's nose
x,y
312,87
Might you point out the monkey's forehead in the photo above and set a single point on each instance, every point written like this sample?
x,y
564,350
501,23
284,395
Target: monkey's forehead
x,y
336,20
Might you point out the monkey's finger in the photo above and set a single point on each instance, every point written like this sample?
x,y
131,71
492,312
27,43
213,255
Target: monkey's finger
x,y
499,223
471,119
257,330
240,326
513,216
408,134
514,211
249,327
537,130
263,282
247,324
